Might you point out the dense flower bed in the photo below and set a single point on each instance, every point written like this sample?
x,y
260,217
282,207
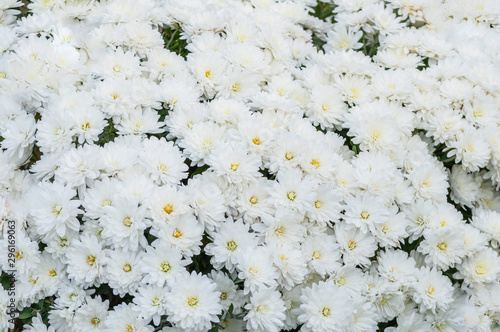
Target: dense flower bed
x,y
257,165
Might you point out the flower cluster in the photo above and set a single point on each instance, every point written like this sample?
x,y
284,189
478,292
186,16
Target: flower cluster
x,y
300,165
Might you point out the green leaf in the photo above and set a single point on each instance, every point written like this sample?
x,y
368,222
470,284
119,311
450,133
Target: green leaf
x,y
27,313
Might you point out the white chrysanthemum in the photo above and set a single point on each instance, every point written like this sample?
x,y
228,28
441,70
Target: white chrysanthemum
x,y
322,254
86,258
193,303
184,233
26,253
123,272
163,161
232,161
53,209
470,149
167,203
327,206
482,267
357,247
325,307
430,182
229,240
293,191
488,222
92,315
256,268
365,212
151,303
432,290
396,266
255,202
266,311
125,318
292,265
79,166
229,293
124,223
37,325
442,247
162,264
100,195
207,200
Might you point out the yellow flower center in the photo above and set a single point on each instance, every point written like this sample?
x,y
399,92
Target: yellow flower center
x,y
208,74
234,167
315,163
253,270
341,281
254,200
162,167
231,245
316,255
19,255
127,268
106,202
52,273
168,208
351,244
127,222
223,296
177,233
117,69
325,312
291,195
430,290
480,269
236,87
165,267
57,209
442,246
325,107
318,204
279,230
365,215
256,140
90,260
192,301
95,321
289,155
354,92
129,329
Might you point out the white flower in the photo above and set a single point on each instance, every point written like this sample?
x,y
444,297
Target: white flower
x,y
53,209
432,290
232,161
86,258
365,212
123,224
356,246
162,264
193,303
482,267
442,247
151,303
293,191
266,311
124,318
184,233
256,268
163,161
229,240
123,272
92,315
325,307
